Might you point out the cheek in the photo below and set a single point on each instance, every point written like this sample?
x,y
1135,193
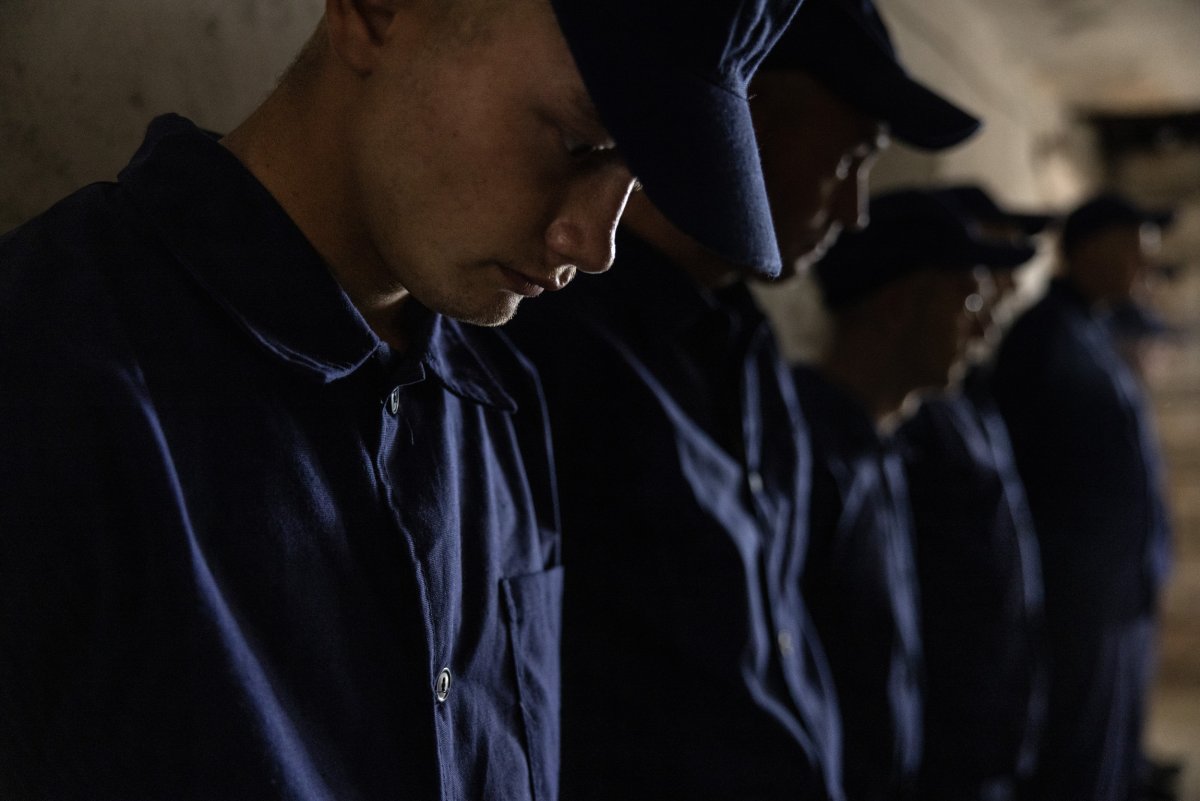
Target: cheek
x,y
503,187
802,211
797,186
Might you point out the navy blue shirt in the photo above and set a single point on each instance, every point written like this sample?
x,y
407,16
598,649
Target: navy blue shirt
x,y
980,580
860,585
689,670
246,550
1088,457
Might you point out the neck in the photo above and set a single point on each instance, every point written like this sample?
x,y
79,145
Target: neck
x,y
297,155
858,363
1095,292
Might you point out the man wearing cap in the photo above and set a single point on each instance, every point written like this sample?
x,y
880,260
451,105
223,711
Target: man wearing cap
x,y
1085,448
978,569
690,670
275,522
897,293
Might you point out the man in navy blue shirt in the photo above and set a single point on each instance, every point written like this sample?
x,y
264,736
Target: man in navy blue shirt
x,y
274,523
690,670
896,292
1086,450
978,569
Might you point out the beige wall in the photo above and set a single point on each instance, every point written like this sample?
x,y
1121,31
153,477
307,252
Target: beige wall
x,y
80,79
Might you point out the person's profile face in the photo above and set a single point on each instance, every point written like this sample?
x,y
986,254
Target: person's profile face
x,y
1113,261
981,304
817,153
941,326
500,181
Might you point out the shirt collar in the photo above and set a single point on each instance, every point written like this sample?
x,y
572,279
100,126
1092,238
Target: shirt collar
x,y
235,240
457,354
1065,291
843,419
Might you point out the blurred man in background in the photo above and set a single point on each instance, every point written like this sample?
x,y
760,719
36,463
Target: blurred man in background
x,y
897,292
1087,453
274,522
977,562
690,670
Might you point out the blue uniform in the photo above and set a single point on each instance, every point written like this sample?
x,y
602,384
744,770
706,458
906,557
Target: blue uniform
x,y
860,585
246,550
1089,460
980,579
688,666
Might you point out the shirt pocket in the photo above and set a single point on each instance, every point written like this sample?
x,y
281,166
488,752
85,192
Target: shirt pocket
x,y
533,604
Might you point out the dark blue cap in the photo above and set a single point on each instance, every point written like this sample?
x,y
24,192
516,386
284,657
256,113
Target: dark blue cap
x,y
845,45
974,203
669,78
1109,210
910,230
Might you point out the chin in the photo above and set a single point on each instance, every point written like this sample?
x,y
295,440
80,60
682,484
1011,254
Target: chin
x,y
802,264
494,311
491,316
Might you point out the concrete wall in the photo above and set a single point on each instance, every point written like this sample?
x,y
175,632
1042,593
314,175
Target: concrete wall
x,y
80,79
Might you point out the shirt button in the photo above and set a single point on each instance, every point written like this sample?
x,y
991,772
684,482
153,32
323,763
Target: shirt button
x,y
785,642
393,401
755,481
442,687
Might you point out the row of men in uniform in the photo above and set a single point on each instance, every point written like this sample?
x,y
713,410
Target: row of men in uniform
x,y
974,640
939,646
278,523
991,594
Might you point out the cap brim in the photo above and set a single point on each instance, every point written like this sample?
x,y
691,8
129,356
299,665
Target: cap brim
x,y
690,143
915,114
1163,219
998,255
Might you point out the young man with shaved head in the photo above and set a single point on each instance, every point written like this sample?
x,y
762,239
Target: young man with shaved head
x,y
690,669
275,522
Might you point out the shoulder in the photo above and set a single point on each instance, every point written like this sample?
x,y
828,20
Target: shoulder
x,y
60,309
66,244
1049,345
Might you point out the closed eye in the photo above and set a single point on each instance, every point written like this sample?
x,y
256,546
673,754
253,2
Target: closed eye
x,y
578,147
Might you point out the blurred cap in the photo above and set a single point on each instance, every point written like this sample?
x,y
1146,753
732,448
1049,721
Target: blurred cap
x,y
972,202
1107,211
845,45
910,230
669,79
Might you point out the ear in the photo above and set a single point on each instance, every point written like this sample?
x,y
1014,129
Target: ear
x,y
358,30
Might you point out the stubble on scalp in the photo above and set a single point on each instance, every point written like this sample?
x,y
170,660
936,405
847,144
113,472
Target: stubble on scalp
x,y
458,22
307,63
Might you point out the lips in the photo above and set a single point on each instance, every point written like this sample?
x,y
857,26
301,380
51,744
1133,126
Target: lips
x,y
533,285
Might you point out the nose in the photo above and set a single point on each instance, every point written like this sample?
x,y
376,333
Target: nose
x,y
859,190
583,233
850,207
